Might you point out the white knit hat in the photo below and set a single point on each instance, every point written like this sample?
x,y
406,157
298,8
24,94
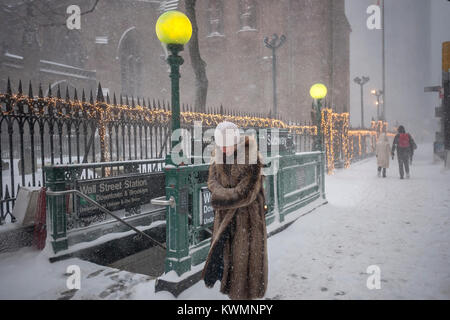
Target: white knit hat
x,y
226,134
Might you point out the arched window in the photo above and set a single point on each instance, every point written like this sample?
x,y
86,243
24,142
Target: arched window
x,y
215,18
247,14
130,64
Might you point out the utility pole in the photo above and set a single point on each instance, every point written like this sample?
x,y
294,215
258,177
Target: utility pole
x,y
383,48
362,81
274,44
442,139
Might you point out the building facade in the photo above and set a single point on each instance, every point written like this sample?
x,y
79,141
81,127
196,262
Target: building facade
x,y
117,46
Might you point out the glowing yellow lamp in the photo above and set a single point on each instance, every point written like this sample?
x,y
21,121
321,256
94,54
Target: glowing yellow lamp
x,y
173,27
318,91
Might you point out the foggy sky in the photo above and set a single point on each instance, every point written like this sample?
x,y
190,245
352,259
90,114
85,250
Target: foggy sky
x,y
415,30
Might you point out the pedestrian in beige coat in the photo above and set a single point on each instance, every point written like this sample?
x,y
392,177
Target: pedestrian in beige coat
x,y
383,150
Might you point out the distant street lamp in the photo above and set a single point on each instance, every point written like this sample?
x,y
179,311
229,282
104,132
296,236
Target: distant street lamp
x,y
274,44
362,81
318,91
378,94
174,29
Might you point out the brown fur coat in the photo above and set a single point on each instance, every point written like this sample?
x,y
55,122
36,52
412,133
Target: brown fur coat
x,y
238,253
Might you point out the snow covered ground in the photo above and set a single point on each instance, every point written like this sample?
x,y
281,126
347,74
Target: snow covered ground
x,y
400,226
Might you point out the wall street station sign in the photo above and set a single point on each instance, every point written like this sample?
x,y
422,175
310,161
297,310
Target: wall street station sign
x,y
206,209
119,193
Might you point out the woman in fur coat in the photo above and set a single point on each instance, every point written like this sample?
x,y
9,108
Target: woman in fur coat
x,y
238,252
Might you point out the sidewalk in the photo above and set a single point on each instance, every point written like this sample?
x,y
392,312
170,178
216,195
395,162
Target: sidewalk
x,y
401,226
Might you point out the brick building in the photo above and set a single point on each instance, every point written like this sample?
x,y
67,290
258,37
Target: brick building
x,y
117,46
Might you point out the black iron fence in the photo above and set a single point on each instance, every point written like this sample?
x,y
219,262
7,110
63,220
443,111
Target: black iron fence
x,y
38,131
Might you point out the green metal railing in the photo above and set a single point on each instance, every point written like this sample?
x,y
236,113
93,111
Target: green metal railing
x,y
54,196
62,209
292,180
297,180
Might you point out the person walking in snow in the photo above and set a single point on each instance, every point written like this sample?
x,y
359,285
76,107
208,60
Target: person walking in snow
x,y
238,252
404,144
413,147
383,150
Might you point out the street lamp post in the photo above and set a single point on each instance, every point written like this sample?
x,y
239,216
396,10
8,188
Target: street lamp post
x,y
318,92
274,44
174,29
362,81
378,94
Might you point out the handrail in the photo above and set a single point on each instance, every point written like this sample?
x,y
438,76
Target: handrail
x,y
160,201
103,209
108,163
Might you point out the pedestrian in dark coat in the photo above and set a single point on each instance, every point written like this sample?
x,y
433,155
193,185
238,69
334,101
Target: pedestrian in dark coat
x,y
238,252
404,144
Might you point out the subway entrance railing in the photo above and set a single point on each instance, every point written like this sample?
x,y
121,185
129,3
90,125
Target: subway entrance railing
x,y
292,181
122,187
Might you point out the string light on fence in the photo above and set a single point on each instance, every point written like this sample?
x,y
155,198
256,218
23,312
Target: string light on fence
x,y
334,125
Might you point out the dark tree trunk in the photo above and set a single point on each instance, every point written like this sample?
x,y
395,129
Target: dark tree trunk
x,y
199,66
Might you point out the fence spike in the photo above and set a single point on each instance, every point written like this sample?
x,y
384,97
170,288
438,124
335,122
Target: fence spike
x,y
126,100
121,99
20,88
132,102
7,196
8,87
91,98
159,104
49,94
114,99
83,96
100,97
150,105
75,95
108,101
41,94
143,103
58,92
30,90
67,94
